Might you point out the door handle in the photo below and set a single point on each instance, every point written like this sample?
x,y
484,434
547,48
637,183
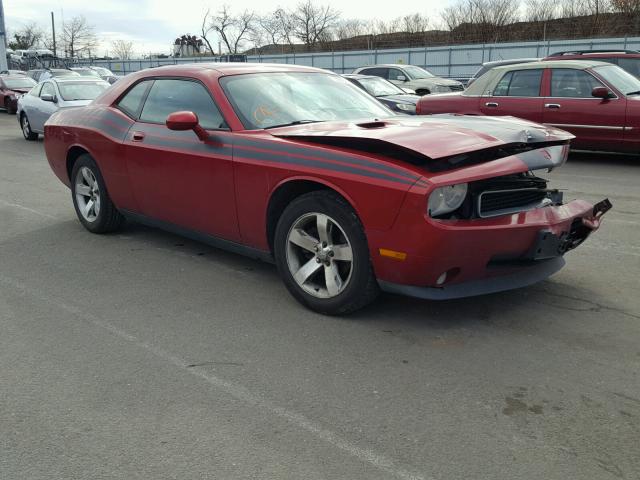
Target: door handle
x,y
491,104
137,136
552,105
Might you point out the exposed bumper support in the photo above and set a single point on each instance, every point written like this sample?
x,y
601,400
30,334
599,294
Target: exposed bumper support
x,y
523,278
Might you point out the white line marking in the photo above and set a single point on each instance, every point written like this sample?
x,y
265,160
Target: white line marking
x,y
237,391
27,209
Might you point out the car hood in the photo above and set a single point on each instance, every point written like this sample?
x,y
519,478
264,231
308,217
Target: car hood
x,y
19,90
427,137
401,98
427,82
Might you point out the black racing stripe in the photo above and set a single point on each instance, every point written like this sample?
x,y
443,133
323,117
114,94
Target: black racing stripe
x,y
327,155
269,157
108,129
116,118
196,147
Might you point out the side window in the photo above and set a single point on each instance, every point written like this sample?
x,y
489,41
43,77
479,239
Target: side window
x,y
132,101
47,89
567,82
394,73
519,83
168,96
378,72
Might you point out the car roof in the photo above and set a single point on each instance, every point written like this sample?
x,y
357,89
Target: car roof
x,y
75,79
357,76
497,63
578,64
234,68
396,65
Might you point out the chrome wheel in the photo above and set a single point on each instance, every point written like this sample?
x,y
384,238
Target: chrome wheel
x,y
87,194
319,255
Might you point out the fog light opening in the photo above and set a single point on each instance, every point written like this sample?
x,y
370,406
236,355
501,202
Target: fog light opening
x,y
447,276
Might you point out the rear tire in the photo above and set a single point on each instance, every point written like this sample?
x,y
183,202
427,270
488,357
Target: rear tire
x,y
322,254
28,134
92,203
7,106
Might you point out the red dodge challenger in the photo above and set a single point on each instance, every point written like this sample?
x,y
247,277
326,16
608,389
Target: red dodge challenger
x,y
297,165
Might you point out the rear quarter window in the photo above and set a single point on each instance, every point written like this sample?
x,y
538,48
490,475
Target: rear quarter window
x,y
132,100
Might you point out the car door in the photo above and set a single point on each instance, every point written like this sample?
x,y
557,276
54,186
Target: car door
x,y
397,76
596,122
517,93
42,110
177,178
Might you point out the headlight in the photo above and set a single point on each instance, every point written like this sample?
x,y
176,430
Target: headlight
x,y
446,199
406,107
440,89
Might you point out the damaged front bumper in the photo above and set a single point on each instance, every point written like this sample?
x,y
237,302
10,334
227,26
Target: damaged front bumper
x,y
484,257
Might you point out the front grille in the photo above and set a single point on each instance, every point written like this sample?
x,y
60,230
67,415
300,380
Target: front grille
x,y
499,202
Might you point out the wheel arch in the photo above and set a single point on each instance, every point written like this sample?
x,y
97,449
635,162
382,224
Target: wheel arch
x,y
288,190
72,156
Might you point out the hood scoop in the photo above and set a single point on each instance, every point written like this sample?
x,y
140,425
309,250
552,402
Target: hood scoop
x,y
374,124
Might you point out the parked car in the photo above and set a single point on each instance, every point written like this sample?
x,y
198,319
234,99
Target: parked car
x,y
12,87
628,60
486,66
298,165
416,78
50,96
13,72
597,102
106,74
385,92
85,72
20,57
41,74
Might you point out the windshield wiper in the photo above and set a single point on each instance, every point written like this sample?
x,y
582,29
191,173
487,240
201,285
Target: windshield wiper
x,y
295,122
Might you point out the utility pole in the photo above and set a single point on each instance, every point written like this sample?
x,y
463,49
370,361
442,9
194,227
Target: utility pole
x,y
3,41
53,30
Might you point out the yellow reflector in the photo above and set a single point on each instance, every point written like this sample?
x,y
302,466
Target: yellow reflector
x,y
401,256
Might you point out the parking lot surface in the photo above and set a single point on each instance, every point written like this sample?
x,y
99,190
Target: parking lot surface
x,y
142,355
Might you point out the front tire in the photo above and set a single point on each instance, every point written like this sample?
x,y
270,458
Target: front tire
x,y
92,203
322,254
28,134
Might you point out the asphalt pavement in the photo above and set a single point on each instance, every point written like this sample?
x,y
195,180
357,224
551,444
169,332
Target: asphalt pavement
x,y
143,355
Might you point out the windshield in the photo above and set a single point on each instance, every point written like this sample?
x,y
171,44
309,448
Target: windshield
x,y
278,99
25,82
105,72
416,73
87,73
64,73
379,87
619,78
81,91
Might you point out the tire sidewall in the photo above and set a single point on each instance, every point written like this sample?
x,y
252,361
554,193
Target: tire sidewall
x,y
340,211
31,136
99,224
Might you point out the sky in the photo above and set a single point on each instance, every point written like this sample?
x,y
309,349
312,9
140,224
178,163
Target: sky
x,y
152,25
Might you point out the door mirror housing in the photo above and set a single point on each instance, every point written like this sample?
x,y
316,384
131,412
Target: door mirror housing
x,y
183,121
601,92
401,78
49,98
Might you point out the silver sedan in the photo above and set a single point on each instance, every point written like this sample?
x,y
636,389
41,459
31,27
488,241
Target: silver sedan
x,y
46,98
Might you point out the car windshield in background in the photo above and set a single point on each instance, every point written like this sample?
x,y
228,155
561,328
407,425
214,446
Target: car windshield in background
x,y
81,91
64,73
619,78
87,73
105,72
25,82
278,99
417,73
379,87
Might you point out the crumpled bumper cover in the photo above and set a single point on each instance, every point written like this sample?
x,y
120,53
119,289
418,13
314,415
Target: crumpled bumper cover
x,y
544,258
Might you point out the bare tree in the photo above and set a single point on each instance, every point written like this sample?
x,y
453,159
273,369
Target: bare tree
x,y
78,36
480,20
415,23
233,30
593,12
29,36
541,10
311,23
626,6
122,49
271,27
205,30
349,28
286,22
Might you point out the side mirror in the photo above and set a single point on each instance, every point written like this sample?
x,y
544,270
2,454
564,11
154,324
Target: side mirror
x,y
401,78
182,121
601,92
49,98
